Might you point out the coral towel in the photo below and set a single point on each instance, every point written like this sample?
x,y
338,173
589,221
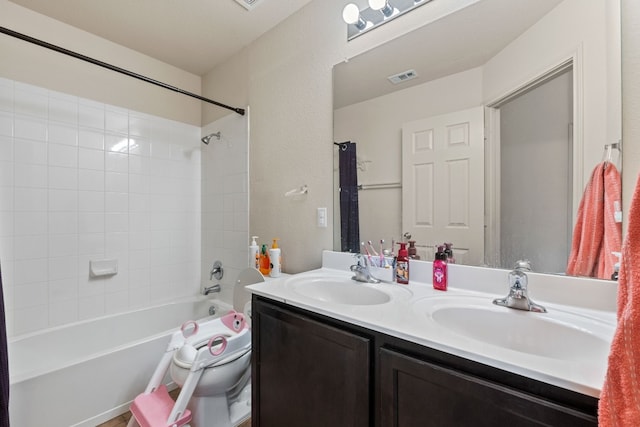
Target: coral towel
x,y
596,233
620,398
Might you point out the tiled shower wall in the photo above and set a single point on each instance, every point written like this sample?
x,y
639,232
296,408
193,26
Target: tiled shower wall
x,y
82,181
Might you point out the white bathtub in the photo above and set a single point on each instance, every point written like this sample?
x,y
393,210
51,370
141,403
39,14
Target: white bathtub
x,y
88,372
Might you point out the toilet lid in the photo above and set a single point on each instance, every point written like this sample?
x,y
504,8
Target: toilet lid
x,y
241,296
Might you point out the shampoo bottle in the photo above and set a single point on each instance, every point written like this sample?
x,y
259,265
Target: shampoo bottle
x,y
402,265
264,261
275,259
440,270
254,253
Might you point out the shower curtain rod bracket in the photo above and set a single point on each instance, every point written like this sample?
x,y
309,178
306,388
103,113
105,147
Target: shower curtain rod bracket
x,y
111,67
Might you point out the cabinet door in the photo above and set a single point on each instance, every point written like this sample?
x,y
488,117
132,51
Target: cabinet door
x,y
306,373
415,393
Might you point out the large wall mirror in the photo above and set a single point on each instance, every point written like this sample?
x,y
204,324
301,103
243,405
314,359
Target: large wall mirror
x,y
487,139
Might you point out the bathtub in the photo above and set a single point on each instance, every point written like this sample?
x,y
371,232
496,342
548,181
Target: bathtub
x,y
88,372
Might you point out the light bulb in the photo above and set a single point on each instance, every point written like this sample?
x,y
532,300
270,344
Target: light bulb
x,y
377,4
351,13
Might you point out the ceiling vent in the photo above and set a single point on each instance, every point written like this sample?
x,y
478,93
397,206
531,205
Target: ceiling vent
x,y
248,4
403,77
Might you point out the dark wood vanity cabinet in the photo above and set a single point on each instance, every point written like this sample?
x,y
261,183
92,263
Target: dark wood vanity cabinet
x,y
311,370
307,373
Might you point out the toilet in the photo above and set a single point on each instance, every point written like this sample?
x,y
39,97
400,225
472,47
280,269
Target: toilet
x,y
222,396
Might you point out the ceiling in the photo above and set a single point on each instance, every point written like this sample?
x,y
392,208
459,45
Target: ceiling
x,y
462,40
193,35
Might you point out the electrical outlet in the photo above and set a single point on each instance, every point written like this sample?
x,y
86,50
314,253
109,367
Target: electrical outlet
x,y
321,217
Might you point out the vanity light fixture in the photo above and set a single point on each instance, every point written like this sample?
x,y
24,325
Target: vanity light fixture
x,y
379,12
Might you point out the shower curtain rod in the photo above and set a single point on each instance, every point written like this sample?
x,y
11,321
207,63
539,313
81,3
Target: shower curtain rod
x,y
111,67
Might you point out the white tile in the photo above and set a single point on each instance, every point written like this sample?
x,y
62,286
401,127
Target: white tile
x,y
30,223
116,121
63,109
90,286
139,184
6,249
139,297
91,180
30,271
116,182
90,222
63,289
138,241
116,302
6,199
62,134
139,165
30,294
91,159
6,97
91,243
30,128
63,178
63,155
88,138
30,319
63,245
6,174
31,247
26,175
116,242
160,150
63,267
90,116
116,162
138,260
6,148
116,202
90,307
139,126
6,124
30,103
116,222
91,201
63,312
63,200
6,223
63,223
30,152
139,146
116,143
139,221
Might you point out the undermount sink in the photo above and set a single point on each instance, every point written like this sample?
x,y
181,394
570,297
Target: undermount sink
x,y
558,334
338,290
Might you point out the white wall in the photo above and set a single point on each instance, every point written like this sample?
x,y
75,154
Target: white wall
x,y
82,180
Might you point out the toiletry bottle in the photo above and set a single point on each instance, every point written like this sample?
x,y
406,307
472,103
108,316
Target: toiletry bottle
x,y
275,259
413,252
254,253
448,250
440,270
402,265
264,261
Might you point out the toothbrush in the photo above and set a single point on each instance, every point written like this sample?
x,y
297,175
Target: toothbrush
x,y
372,248
383,261
367,252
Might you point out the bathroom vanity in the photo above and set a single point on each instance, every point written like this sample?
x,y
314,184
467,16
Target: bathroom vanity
x,y
334,358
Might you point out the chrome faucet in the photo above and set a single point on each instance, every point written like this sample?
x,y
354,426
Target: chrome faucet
x,y
518,297
216,271
211,289
361,270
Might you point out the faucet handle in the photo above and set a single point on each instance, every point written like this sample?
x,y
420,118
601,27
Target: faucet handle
x,y
523,264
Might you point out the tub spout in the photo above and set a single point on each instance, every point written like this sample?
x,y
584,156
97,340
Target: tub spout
x,y
211,289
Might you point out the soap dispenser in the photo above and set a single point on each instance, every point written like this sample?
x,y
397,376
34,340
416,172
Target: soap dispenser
x,y
402,265
254,254
264,261
440,270
275,259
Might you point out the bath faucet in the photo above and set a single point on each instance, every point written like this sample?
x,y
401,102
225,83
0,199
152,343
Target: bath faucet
x,y
361,270
211,289
518,297
216,271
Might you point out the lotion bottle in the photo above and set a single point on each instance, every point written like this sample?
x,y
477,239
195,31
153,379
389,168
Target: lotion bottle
x,y
402,265
254,253
440,270
264,261
275,259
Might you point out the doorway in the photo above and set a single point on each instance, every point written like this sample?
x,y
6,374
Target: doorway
x,y
532,174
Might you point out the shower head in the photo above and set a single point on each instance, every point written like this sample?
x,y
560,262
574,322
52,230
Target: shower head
x,y
207,138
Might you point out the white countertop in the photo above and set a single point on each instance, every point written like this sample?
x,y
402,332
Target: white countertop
x,y
399,318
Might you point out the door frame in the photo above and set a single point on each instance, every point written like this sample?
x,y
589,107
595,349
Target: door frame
x,y
492,146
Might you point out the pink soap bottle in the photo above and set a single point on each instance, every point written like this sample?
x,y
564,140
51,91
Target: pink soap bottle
x,y
402,265
440,270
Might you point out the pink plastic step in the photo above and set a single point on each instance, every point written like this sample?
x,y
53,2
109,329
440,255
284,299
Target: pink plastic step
x,y
153,409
